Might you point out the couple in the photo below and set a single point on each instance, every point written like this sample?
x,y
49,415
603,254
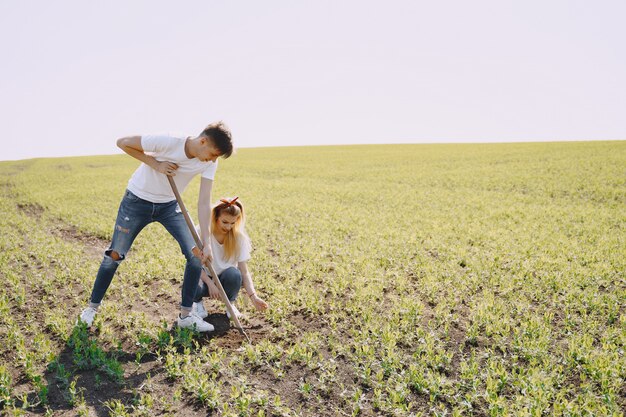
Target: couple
x,y
149,198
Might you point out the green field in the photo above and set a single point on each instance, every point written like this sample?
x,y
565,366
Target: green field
x,y
441,280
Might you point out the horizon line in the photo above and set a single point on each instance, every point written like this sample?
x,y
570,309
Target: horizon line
x,y
350,144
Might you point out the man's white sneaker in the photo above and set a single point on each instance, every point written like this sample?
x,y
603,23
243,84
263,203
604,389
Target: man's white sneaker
x,y
237,313
87,316
199,310
194,321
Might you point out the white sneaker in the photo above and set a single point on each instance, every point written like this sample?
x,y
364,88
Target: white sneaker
x,y
193,320
87,316
199,310
237,313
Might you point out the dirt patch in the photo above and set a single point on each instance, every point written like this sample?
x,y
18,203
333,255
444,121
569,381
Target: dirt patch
x,y
33,210
16,169
97,389
163,304
8,189
93,245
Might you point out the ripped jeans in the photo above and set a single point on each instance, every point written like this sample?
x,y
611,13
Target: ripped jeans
x,y
133,215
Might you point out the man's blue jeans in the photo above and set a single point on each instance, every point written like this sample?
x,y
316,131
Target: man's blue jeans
x,y
133,215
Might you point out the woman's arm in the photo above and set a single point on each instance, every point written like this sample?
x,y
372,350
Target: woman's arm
x,y
258,302
214,292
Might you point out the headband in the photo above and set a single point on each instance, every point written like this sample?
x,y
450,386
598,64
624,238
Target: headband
x,y
229,203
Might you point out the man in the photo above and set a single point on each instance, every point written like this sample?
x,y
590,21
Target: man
x,y
149,198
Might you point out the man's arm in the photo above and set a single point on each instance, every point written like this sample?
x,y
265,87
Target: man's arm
x,y
132,146
204,214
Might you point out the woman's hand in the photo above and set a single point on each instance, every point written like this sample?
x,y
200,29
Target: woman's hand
x,y
167,168
258,302
214,292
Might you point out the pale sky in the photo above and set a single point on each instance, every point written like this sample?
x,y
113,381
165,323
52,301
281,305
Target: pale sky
x,y
77,75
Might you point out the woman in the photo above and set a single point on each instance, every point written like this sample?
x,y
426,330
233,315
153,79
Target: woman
x,y
231,251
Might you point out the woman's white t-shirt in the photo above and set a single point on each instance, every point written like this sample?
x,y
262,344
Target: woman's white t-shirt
x,y
220,264
151,185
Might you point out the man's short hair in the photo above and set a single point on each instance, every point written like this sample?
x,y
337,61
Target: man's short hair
x,y
219,134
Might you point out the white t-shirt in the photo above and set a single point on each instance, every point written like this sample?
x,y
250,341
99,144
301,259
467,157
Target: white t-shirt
x,y
153,186
219,263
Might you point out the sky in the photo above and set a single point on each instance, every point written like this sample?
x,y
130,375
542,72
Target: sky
x,y
77,75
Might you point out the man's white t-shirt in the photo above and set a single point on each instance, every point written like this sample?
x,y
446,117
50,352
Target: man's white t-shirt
x,y
151,185
219,263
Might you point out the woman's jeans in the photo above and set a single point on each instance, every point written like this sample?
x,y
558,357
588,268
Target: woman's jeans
x,y
133,215
231,281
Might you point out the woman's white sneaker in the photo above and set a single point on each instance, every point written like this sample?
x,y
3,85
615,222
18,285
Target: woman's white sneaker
x,y
87,316
199,310
193,320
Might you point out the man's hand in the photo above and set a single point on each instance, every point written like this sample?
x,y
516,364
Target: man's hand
x,y
167,168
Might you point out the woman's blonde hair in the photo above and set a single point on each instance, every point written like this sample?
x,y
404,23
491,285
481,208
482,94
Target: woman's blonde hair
x,y
235,235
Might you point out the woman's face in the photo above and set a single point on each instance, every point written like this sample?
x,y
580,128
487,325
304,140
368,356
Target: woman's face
x,y
226,222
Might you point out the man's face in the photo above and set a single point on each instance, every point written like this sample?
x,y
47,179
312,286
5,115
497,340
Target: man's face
x,y
208,151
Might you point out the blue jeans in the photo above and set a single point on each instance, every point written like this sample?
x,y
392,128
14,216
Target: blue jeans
x,y
133,215
230,279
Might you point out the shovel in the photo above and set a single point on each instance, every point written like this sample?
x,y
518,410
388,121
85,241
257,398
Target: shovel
x,y
208,268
